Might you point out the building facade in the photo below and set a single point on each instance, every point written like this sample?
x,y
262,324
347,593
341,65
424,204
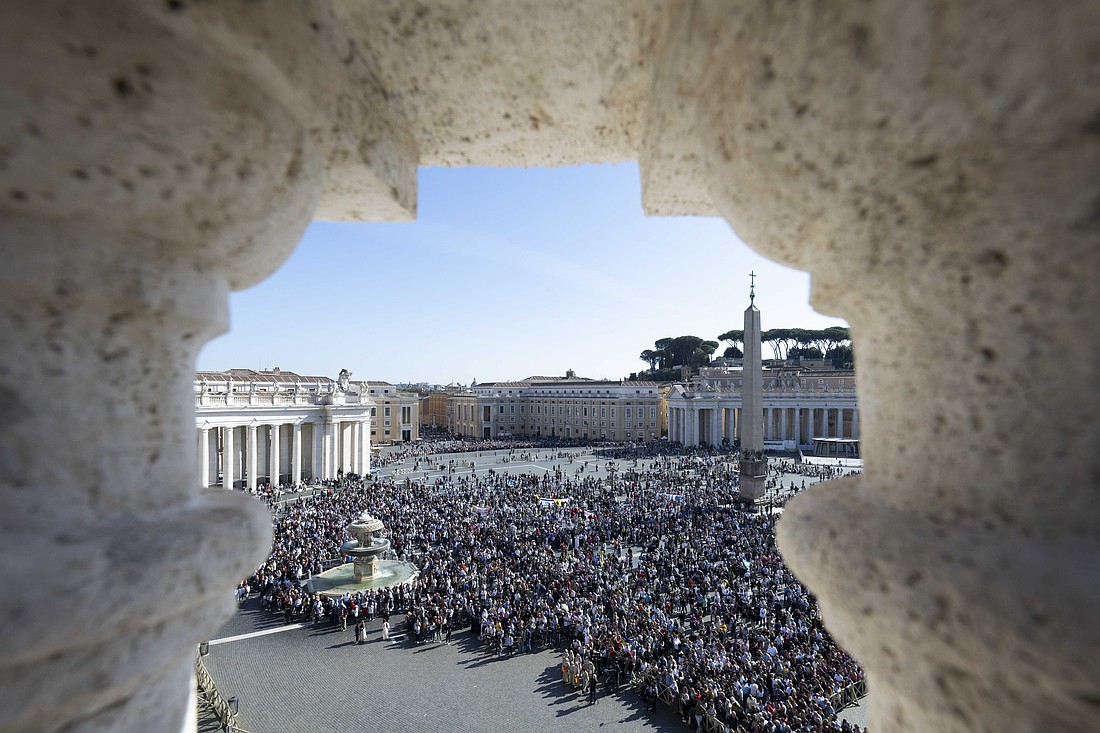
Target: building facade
x,y
395,414
559,407
435,407
799,404
277,427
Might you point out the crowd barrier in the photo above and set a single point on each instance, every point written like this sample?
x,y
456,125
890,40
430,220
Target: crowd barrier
x,y
850,695
226,715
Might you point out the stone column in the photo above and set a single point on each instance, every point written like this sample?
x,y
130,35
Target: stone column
x,y
364,447
296,459
940,184
253,446
154,157
783,423
204,457
275,463
326,450
855,422
333,454
353,445
319,430
229,458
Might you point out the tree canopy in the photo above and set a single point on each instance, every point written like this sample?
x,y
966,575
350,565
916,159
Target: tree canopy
x,y
678,351
669,354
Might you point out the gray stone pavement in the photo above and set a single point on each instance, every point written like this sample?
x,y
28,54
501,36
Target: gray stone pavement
x,y
317,679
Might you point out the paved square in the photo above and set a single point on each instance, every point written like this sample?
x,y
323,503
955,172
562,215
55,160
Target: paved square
x,y
317,679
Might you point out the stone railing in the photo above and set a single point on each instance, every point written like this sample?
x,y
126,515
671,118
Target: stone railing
x,y
261,399
696,391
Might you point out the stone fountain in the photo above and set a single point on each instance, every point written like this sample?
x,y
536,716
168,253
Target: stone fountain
x,y
368,569
365,548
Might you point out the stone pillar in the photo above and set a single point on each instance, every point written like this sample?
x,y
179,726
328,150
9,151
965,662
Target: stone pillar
x,y
940,184
319,431
855,422
364,447
326,450
783,423
204,457
296,455
337,447
229,458
353,444
155,157
253,447
276,452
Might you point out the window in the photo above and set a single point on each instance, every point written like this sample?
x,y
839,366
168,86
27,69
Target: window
x,y
628,413
374,412
586,412
603,412
511,409
387,424
406,414
386,412
653,412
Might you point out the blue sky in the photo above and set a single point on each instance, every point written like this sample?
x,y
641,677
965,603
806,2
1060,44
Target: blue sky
x,y
506,273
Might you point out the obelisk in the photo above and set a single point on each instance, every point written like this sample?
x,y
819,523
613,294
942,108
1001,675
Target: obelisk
x,y
753,464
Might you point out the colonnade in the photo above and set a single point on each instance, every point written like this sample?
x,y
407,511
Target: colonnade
x,y
247,455
712,424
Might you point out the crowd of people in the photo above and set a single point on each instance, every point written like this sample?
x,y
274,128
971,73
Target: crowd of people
x,y
651,575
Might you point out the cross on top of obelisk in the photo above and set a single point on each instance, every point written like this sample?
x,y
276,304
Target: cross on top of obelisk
x,y
752,287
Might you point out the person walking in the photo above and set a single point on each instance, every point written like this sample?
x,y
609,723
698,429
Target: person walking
x,y
361,632
593,689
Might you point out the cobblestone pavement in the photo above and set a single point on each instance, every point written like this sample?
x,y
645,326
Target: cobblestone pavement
x,y
308,680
